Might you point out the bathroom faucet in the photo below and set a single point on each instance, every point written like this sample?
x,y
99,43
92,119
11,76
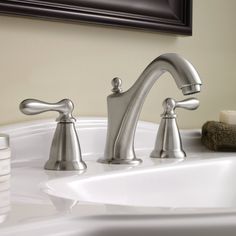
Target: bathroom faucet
x,y
124,107
65,153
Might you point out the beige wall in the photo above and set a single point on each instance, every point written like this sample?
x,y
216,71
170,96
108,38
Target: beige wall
x,y
51,61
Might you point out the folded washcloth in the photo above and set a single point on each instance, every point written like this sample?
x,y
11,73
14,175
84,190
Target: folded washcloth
x,y
219,136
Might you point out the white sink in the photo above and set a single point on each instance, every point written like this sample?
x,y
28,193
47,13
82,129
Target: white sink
x,y
159,197
198,184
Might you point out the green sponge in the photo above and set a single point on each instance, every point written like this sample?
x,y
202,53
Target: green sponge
x,y
219,136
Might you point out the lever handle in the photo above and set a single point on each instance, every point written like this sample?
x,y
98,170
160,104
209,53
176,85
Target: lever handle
x,y
63,107
170,104
189,104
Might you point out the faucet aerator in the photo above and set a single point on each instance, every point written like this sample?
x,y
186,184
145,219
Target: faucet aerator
x,y
191,89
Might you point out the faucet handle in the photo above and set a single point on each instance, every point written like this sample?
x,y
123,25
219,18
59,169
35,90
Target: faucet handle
x,y
65,152
34,107
169,105
168,141
189,104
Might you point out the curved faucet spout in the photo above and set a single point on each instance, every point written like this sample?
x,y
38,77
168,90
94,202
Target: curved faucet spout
x,y
124,108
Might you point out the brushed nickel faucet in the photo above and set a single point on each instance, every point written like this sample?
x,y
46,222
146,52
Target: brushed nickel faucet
x,y
65,153
124,107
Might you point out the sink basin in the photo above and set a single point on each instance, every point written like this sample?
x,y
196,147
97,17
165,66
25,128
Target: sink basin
x,y
159,197
197,184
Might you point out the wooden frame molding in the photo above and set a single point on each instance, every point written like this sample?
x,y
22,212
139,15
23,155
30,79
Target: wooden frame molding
x,y
172,16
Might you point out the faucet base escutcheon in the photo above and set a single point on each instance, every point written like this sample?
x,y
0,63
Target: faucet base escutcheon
x,y
135,161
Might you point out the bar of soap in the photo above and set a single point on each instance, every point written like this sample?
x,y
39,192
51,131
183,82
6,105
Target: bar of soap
x,y
228,117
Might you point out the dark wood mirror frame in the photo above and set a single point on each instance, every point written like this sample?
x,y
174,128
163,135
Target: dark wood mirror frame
x,y
172,16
